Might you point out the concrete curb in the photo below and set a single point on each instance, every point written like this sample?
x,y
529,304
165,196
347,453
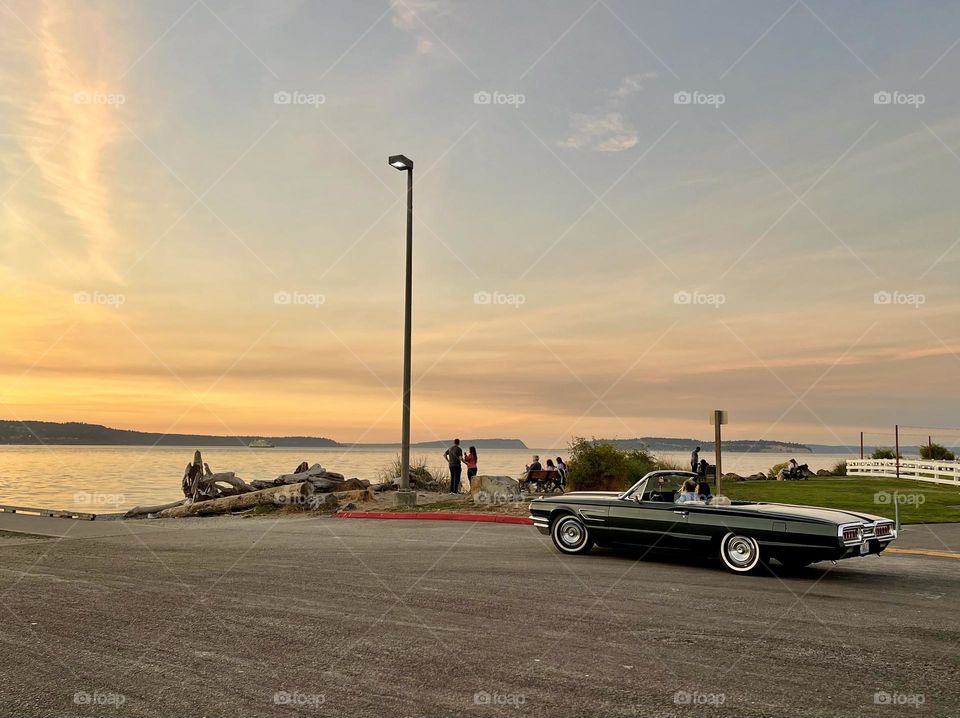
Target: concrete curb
x,y
435,516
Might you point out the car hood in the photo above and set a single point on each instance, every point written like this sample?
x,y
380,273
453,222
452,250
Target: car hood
x,y
816,513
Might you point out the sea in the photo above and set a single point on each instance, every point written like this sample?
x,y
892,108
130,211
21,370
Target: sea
x,y
109,479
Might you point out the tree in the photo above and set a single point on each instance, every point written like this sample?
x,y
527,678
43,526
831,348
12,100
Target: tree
x,y
935,452
601,466
883,453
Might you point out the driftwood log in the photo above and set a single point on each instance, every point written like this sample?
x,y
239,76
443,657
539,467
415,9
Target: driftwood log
x,y
138,511
277,495
207,492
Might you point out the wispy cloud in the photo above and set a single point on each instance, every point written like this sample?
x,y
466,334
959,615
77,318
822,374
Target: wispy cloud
x,y
413,16
66,121
607,130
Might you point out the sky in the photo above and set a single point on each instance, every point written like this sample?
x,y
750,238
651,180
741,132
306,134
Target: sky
x,y
627,214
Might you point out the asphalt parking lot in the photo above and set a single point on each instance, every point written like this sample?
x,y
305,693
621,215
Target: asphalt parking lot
x,y
325,616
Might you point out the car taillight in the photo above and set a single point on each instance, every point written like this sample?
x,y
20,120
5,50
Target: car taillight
x,y
851,533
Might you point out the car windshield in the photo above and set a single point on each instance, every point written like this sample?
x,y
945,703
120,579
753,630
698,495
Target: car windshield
x,y
637,490
668,479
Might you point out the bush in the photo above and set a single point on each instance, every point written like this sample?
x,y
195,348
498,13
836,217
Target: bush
x,y
427,479
840,468
883,453
599,466
935,452
775,469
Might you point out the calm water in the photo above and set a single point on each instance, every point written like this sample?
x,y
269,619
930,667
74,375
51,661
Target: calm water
x,y
101,479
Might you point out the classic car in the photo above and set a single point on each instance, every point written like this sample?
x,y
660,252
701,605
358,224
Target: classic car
x,y
745,534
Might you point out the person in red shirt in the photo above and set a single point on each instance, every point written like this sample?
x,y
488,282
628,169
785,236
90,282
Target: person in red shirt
x,y
470,459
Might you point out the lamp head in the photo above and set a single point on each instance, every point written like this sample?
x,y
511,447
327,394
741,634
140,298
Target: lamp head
x,y
401,162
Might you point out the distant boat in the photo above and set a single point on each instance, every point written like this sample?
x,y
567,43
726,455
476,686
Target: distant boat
x,y
260,444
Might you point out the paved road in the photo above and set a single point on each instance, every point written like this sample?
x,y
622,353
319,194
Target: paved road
x,y
225,617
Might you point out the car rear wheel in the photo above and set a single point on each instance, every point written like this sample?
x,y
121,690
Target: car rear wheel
x,y
740,554
570,535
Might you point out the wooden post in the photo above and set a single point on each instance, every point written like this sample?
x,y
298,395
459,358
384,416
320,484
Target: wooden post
x,y
718,417
896,451
861,445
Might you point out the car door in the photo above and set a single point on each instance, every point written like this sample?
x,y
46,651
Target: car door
x,y
656,524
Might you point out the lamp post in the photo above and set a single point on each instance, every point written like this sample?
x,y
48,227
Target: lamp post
x,y
405,496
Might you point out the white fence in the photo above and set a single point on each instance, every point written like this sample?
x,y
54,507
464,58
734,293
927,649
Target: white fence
x,y
935,472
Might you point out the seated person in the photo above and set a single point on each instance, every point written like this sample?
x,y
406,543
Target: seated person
x,y
688,492
703,490
535,465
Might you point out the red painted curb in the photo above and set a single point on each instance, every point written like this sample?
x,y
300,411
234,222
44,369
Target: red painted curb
x,y
437,516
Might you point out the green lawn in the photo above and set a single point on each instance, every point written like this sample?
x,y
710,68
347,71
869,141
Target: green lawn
x,y
919,502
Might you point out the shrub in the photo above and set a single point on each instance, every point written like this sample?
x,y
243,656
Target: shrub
x,y
600,466
883,452
935,452
775,469
427,479
840,468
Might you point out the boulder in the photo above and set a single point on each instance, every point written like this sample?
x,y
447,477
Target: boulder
x,y
494,486
823,472
732,477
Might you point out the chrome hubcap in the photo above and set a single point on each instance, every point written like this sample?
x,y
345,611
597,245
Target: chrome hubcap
x,y
571,533
740,551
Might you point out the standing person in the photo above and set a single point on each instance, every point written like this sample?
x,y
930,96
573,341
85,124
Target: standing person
x,y
471,461
454,455
562,468
695,459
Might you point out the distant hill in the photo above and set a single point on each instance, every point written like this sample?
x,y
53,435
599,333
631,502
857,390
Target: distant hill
x,y
479,443
443,444
672,445
48,432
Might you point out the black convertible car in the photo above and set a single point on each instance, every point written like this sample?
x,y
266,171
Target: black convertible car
x,y
745,534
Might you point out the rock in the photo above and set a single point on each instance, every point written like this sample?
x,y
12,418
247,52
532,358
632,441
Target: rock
x,y
732,477
823,472
349,506
494,487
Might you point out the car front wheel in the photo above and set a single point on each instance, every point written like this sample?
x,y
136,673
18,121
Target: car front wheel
x,y
740,554
570,535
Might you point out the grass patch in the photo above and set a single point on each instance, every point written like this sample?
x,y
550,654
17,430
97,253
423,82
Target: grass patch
x,y
919,502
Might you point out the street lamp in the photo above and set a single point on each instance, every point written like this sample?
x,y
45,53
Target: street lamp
x,y
405,496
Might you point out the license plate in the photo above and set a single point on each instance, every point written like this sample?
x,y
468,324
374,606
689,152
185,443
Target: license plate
x,y
864,548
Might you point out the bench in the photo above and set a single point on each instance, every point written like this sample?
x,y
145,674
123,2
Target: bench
x,y
543,479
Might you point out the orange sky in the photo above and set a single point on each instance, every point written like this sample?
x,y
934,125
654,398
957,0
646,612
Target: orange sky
x,y
180,252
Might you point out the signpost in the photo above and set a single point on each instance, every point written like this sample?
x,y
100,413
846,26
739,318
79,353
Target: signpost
x,y
717,417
